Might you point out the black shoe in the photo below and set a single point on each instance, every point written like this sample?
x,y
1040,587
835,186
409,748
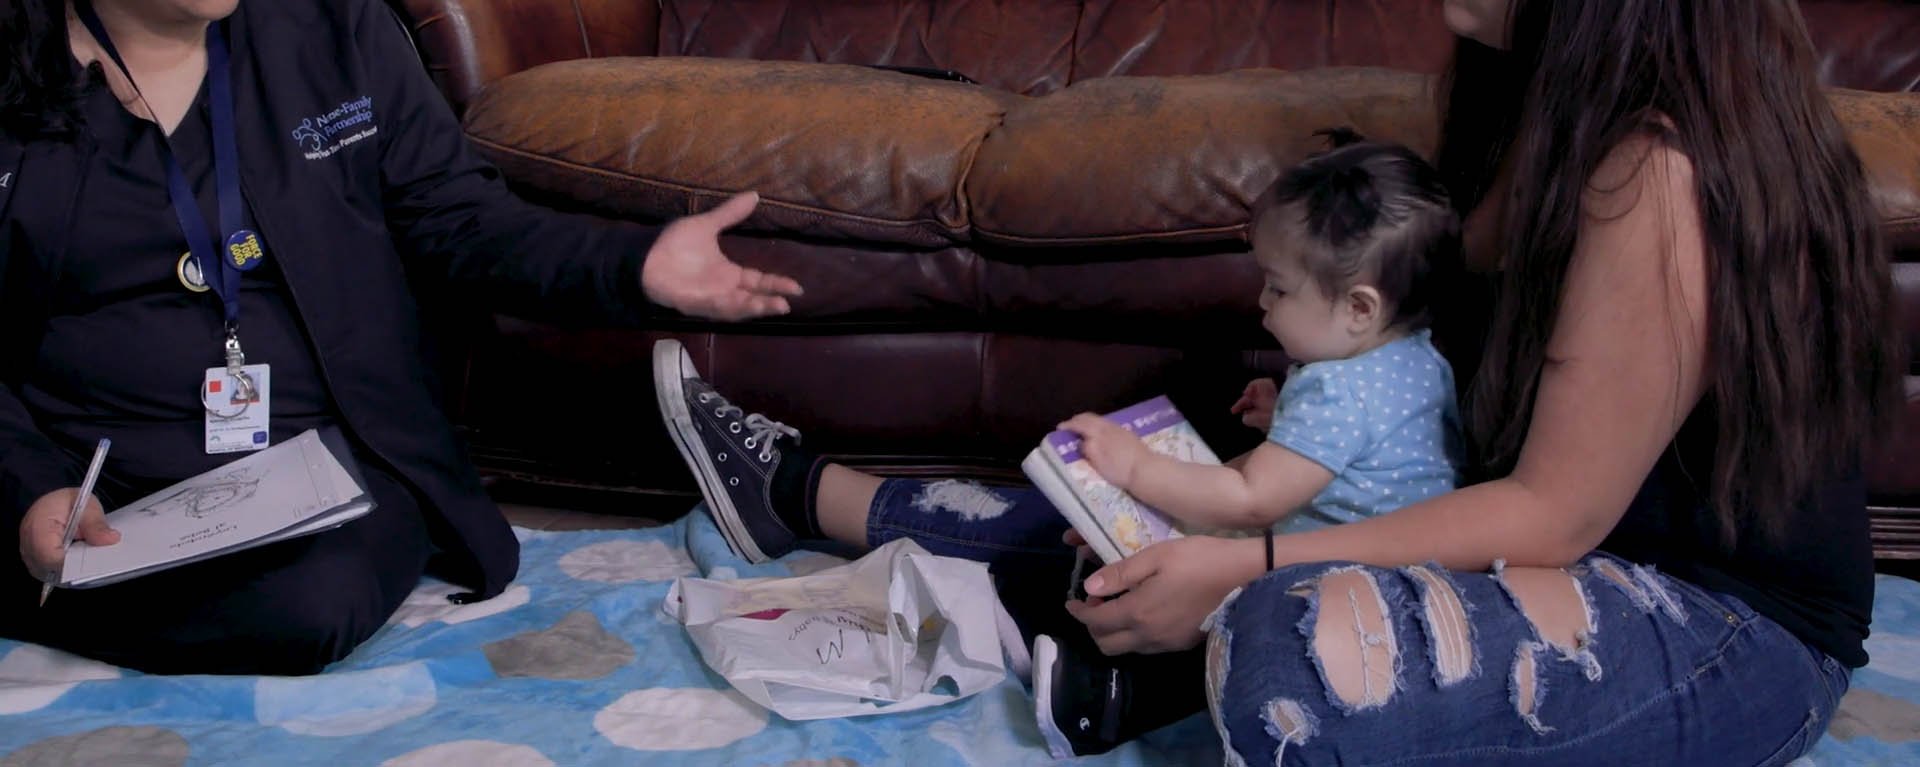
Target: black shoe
x,y
1078,704
733,454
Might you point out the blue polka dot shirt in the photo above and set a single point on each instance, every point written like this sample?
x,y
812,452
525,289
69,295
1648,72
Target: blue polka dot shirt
x,y
1384,422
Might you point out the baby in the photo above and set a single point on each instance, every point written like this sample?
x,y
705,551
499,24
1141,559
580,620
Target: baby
x,y
1368,423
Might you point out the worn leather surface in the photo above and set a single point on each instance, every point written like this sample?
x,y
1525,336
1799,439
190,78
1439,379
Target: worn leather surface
x,y
1134,159
1023,46
1893,473
1181,37
835,151
1035,47
1906,286
1866,44
469,45
956,401
1885,131
852,153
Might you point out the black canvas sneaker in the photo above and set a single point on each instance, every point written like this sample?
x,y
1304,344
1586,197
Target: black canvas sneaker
x,y
733,454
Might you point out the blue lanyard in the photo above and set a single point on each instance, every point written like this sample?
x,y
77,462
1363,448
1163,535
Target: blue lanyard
x,y
242,251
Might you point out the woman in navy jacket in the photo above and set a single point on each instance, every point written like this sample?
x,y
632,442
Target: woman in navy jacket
x,y
351,170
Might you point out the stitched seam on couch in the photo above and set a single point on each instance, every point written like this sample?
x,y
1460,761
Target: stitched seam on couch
x,y
901,223
1100,239
1896,225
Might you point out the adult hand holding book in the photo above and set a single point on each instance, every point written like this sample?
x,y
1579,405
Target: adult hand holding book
x,y
1156,599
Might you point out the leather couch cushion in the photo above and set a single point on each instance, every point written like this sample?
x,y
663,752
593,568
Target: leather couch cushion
x,y
1885,130
1906,288
1174,158
1866,44
836,151
1023,46
855,153
1189,37
1169,298
1893,472
946,402
1035,47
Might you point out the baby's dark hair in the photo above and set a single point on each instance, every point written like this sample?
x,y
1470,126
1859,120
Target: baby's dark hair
x,y
1367,210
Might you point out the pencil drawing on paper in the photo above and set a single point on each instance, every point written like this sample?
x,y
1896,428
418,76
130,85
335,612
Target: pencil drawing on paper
x,y
211,496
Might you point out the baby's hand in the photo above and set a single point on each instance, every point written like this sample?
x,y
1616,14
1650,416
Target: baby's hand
x,y
1110,448
1256,404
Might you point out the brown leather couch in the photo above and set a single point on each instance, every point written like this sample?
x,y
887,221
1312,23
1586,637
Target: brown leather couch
x,y
981,260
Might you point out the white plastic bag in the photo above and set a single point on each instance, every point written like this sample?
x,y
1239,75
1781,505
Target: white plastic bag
x,y
897,630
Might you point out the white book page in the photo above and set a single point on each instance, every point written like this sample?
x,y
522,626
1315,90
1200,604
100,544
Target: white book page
x,y
1048,475
251,498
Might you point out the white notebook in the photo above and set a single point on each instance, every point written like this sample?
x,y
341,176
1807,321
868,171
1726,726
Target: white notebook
x,y
303,485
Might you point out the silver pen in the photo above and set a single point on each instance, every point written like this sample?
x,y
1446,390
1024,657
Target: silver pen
x,y
73,517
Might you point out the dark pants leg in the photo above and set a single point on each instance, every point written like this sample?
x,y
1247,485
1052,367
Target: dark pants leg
x,y
284,609
1017,533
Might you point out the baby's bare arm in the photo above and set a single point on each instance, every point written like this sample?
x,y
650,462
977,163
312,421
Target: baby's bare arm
x,y
1254,491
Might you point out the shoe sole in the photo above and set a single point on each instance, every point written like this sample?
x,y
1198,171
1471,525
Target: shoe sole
x,y
671,367
1045,653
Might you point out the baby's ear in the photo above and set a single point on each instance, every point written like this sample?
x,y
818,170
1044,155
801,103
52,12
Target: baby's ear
x,y
1366,308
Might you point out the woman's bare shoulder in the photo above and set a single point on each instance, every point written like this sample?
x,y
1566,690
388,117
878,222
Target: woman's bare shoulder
x,y
1647,166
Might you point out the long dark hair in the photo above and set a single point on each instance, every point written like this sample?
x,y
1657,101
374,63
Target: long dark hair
x,y
39,81
1800,323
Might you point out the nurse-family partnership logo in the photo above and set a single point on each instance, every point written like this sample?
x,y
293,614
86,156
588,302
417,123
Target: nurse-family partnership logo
x,y
322,135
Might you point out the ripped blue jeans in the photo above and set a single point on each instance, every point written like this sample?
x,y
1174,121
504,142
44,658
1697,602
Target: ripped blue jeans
x,y
1441,668
1015,531
1345,664
959,518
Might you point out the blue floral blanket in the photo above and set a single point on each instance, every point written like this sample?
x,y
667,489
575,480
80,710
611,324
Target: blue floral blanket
x,y
576,665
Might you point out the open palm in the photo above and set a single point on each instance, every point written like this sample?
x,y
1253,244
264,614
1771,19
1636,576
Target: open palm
x,y
686,271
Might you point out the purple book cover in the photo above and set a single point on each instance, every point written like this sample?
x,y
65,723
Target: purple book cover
x,y
1131,525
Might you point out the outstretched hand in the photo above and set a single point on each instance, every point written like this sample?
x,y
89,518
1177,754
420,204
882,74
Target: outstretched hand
x,y
686,271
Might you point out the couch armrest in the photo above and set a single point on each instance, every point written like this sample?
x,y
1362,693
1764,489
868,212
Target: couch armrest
x,y
469,44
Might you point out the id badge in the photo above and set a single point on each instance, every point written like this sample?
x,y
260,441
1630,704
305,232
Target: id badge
x,y
236,423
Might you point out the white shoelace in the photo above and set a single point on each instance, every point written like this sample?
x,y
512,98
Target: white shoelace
x,y
761,430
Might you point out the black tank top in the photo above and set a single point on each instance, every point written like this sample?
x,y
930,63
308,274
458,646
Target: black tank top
x,y
1815,578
